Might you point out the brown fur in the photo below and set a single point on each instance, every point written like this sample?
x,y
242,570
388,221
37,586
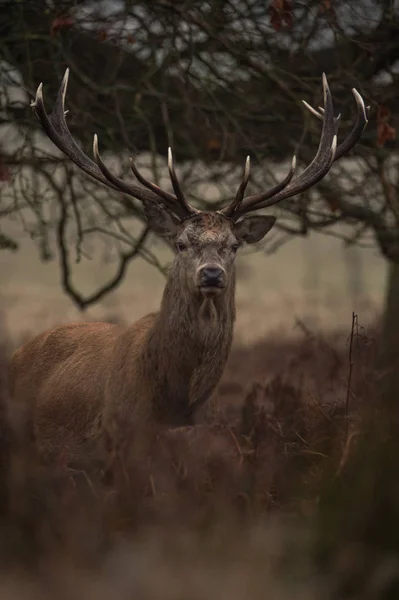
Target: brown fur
x,y
82,386
80,381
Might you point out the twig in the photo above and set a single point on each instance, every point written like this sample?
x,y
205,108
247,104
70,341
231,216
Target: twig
x,y
74,203
345,453
124,260
348,392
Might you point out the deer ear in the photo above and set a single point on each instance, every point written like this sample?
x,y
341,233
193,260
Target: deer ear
x,y
253,229
162,221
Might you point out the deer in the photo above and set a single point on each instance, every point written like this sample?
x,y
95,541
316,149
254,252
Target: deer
x,y
81,382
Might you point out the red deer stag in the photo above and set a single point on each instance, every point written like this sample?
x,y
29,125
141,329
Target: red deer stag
x,y
81,380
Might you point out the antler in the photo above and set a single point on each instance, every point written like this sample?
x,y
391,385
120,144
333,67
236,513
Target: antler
x,y
326,155
57,130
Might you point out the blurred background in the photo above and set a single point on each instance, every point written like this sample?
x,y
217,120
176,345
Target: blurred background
x,y
216,81
314,374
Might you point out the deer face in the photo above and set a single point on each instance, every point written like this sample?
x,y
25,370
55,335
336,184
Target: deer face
x,y
206,245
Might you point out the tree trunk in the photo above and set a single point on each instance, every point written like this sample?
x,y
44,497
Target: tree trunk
x,y
388,361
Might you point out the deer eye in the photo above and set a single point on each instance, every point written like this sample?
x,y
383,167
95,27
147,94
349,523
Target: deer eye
x,y
235,247
180,246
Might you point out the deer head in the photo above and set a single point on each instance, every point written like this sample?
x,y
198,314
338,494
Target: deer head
x,y
206,242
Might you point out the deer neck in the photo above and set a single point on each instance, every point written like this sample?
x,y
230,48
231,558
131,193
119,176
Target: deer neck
x,y
183,311
188,347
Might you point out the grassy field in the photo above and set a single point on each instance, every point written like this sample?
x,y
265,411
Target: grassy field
x,y
283,491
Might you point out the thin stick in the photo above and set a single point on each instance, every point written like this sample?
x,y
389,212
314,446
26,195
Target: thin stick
x,y
354,322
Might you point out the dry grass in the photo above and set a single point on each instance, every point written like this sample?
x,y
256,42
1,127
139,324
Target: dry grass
x,y
228,508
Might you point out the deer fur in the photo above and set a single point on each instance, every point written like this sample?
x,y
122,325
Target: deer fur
x,y
78,383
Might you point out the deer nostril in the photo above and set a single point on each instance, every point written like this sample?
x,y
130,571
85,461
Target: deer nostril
x,y
211,276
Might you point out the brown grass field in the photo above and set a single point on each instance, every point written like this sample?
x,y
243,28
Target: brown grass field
x,y
282,491
286,488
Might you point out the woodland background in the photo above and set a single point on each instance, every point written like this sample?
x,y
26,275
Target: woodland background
x,y
311,389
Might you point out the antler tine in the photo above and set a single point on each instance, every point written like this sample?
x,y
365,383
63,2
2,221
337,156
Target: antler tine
x,y
274,190
317,113
120,185
319,166
57,130
176,186
232,207
320,115
169,199
358,128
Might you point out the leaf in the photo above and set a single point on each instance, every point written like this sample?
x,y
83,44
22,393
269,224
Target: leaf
x,y
213,144
103,35
383,114
326,6
5,173
281,14
385,131
63,22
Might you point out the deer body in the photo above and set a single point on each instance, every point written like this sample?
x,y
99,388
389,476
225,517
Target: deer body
x,y
79,384
57,383
81,381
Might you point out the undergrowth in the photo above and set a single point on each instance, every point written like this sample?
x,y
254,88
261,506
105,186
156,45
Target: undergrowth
x,y
251,501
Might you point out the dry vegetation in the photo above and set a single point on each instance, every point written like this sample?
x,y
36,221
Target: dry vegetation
x,y
247,503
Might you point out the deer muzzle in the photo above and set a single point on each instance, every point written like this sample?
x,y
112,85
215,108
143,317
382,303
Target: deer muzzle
x,y
211,278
